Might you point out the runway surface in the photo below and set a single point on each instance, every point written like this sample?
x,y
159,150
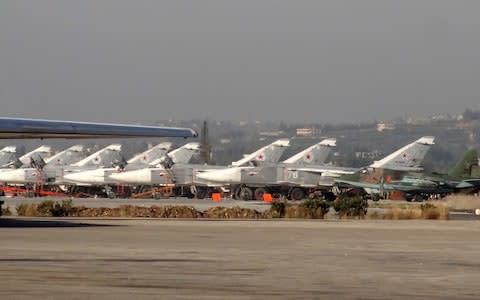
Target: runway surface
x,y
165,259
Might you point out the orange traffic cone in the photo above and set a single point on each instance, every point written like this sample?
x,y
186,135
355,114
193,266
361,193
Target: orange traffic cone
x,y
216,197
267,197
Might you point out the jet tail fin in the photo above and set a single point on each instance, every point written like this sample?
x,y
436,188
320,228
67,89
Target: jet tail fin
x,y
265,155
67,156
407,158
9,149
147,157
463,168
313,155
106,157
182,155
43,151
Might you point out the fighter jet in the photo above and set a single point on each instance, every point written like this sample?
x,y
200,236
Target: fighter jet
x,y
109,156
464,177
19,128
245,179
295,180
184,176
47,170
315,154
100,176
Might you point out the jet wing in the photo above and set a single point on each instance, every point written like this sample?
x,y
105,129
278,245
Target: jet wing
x,y
365,185
385,186
468,183
17,128
326,171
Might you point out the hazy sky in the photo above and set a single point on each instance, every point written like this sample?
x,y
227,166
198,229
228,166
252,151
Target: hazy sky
x,y
320,61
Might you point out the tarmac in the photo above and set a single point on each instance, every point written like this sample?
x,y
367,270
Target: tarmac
x,y
191,259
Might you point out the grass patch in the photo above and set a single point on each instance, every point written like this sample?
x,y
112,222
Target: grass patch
x,y
47,208
278,208
432,212
351,207
397,213
6,211
295,212
308,209
462,202
390,204
22,209
425,211
171,212
315,208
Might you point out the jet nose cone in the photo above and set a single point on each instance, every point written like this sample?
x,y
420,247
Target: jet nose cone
x,y
93,176
230,175
142,176
12,176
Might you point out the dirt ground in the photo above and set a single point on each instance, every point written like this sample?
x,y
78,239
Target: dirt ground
x,y
155,259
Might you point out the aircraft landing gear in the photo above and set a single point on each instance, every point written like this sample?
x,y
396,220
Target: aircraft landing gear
x,y
297,194
258,195
246,193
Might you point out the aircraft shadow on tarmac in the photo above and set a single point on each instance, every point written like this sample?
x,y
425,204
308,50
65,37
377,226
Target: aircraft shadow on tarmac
x,y
107,260
19,223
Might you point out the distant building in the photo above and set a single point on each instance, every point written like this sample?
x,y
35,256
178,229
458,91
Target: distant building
x,y
305,131
444,117
385,126
464,125
272,133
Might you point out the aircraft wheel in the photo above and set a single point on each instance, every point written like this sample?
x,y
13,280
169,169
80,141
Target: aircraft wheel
x,y
418,198
127,193
297,194
329,196
193,189
236,192
408,197
111,195
201,193
246,194
375,197
259,193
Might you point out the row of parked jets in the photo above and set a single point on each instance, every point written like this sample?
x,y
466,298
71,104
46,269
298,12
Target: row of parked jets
x,y
248,178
